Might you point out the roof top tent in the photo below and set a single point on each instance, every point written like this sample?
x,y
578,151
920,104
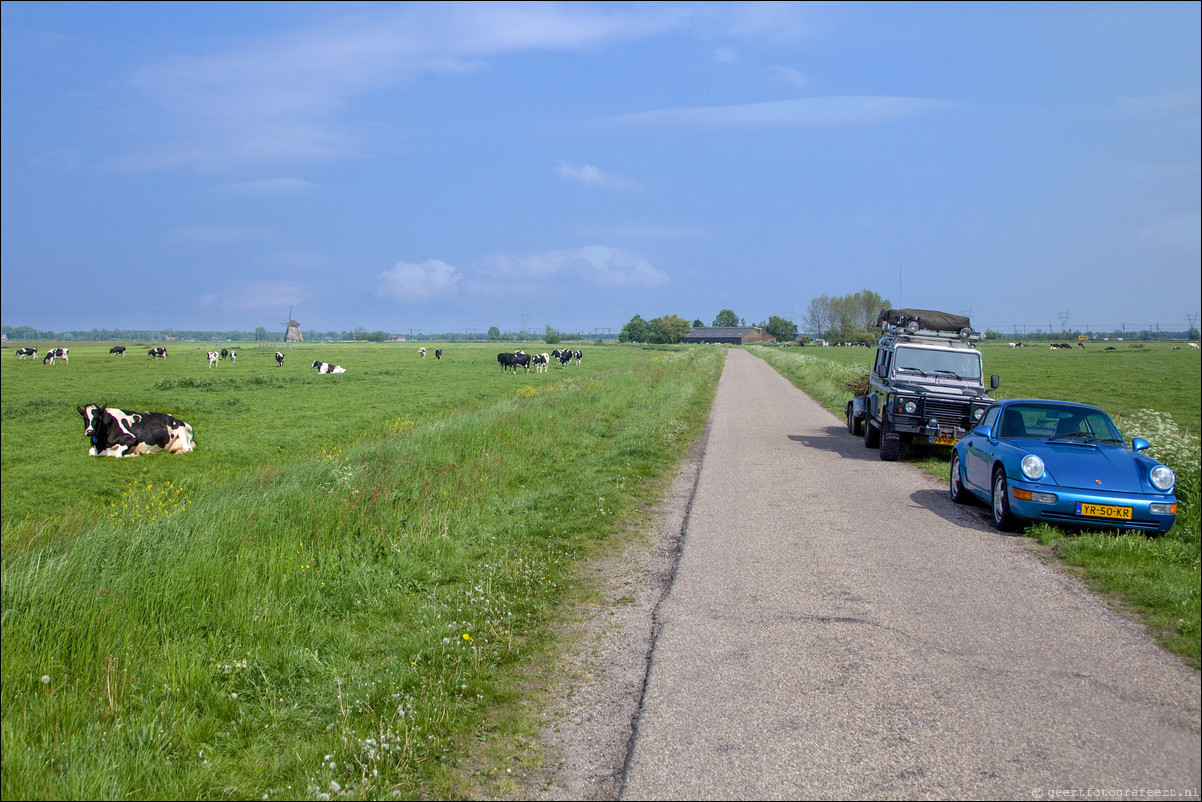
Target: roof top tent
x,y
925,321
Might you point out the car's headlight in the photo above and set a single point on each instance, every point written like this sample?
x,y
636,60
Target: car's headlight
x,y
910,407
1032,466
1162,478
978,413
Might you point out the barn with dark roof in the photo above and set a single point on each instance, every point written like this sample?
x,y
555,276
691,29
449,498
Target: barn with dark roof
x,y
733,335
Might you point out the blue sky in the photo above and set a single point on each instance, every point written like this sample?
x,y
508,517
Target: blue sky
x,y
444,167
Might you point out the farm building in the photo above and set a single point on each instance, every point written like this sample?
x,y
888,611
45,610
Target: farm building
x,y
735,335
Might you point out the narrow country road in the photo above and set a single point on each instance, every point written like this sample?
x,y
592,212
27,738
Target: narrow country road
x,y
837,628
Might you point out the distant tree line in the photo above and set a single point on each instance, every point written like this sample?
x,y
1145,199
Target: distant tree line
x,y
846,318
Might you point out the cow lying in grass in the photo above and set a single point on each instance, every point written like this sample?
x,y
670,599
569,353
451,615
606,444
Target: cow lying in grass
x,y
117,433
325,367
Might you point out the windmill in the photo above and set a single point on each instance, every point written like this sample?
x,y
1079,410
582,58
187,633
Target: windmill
x,y
293,334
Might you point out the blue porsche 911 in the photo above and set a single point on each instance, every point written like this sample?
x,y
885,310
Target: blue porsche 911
x,y
1064,463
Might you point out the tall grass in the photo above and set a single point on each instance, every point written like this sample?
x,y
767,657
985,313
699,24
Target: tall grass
x,y
343,622
1158,577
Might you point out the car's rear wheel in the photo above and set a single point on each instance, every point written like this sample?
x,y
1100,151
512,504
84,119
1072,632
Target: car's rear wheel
x,y
853,425
1000,505
955,483
872,435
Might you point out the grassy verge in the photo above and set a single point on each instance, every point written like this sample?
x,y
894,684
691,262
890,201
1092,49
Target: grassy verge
x,y
345,624
1156,577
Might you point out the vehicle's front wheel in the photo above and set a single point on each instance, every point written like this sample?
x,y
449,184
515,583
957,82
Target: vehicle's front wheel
x,y
890,442
955,484
1002,518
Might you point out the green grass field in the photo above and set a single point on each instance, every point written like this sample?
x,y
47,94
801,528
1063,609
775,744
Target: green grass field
x,y
350,585
1153,392
342,591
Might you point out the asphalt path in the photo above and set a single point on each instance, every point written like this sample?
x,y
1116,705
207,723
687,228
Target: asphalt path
x,y
837,628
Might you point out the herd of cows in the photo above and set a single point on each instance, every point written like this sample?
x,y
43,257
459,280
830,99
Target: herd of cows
x,y
117,433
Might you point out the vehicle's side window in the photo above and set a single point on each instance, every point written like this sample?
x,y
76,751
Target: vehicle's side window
x,y
990,417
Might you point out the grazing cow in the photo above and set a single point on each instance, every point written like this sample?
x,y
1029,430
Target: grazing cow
x,y
117,350
1081,345
212,358
422,352
577,355
279,359
438,353
512,361
565,357
225,354
540,362
158,353
57,353
1111,348
24,352
325,367
233,356
1193,345
116,433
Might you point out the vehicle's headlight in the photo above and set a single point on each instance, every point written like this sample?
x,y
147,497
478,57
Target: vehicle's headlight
x,y
978,413
1162,478
910,407
1032,466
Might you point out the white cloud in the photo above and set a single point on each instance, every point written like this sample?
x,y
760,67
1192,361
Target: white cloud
x,y
409,282
803,111
596,264
590,175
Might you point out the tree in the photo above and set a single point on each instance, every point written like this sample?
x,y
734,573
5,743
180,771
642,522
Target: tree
x,y
668,329
494,333
783,330
636,331
552,337
726,319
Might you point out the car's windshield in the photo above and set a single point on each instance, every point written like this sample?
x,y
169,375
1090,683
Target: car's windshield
x,y
1058,422
938,362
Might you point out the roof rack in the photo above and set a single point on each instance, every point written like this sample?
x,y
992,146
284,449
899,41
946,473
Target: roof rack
x,y
964,335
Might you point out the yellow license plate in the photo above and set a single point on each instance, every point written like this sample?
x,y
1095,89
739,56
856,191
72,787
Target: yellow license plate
x,y
943,439
1104,511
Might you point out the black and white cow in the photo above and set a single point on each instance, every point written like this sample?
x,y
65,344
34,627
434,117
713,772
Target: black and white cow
x,y
233,356
564,356
512,361
158,353
117,350
279,359
325,367
577,355
225,354
438,353
212,358
57,353
24,352
540,362
117,433
421,352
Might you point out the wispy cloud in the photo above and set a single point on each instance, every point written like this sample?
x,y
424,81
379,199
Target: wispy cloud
x,y
257,296
803,111
592,176
787,75
596,264
283,99
411,283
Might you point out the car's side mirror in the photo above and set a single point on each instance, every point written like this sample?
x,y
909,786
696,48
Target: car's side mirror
x,y
1139,444
983,431
995,381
